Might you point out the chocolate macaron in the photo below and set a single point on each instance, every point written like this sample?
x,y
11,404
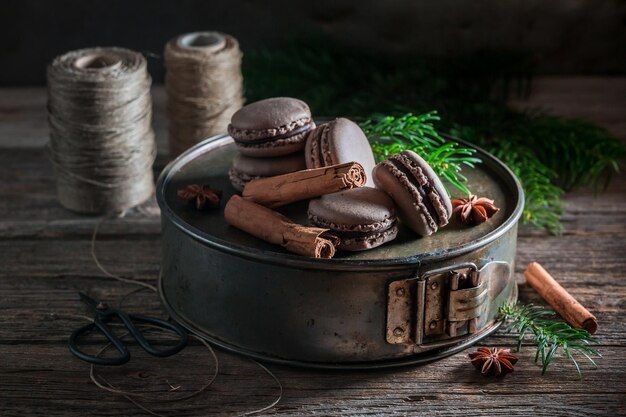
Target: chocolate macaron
x,y
338,142
246,169
362,218
422,200
272,127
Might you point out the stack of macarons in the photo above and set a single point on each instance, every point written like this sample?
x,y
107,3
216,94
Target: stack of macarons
x,y
277,136
270,136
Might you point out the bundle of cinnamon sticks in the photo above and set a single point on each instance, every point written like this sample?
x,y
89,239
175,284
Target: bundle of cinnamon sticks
x,y
252,213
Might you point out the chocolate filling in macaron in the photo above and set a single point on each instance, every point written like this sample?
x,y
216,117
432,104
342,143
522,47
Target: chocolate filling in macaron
x,y
422,200
272,127
362,218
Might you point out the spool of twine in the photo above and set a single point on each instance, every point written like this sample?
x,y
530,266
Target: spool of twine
x,y
101,140
204,86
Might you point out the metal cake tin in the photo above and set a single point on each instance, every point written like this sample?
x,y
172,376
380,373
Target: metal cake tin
x,y
409,301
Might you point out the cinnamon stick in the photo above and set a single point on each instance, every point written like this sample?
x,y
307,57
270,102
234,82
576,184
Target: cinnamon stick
x,y
273,227
302,185
560,300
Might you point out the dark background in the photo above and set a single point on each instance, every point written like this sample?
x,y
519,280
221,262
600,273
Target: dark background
x,y
562,36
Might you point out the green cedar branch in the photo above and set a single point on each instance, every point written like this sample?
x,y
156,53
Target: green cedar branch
x,y
535,324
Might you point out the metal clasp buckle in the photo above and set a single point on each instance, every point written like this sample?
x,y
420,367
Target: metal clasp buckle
x,y
438,306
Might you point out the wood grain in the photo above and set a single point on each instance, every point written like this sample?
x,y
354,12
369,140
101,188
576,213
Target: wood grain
x,y
45,258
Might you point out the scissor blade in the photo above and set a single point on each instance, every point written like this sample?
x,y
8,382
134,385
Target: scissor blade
x,y
88,300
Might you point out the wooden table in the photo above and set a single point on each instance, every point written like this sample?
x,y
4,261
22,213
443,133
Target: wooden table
x,y
45,258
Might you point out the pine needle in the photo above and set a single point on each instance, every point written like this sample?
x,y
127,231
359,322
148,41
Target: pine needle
x,y
390,135
535,324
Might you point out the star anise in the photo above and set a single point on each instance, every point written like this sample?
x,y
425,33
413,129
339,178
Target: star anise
x,y
473,209
202,196
493,361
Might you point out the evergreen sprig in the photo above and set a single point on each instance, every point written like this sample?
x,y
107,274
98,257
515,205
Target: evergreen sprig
x,y
549,154
543,206
390,135
537,325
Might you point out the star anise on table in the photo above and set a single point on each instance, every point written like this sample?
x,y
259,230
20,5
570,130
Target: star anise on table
x,y
493,361
473,209
202,196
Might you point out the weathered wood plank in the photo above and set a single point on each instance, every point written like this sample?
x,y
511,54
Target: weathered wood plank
x,y
29,206
59,384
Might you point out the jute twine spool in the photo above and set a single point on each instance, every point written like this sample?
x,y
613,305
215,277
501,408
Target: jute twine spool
x,y
101,140
204,86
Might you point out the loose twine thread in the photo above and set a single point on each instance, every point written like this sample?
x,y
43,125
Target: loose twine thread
x,y
134,396
101,140
204,86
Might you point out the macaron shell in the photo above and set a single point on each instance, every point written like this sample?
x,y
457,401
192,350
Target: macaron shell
x,y
357,209
245,169
338,142
269,167
270,114
347,142
411,214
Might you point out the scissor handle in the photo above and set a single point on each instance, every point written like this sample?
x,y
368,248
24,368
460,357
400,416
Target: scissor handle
x,y
128,320
115,341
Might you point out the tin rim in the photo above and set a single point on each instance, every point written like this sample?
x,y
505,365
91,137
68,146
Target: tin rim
x,y
491,162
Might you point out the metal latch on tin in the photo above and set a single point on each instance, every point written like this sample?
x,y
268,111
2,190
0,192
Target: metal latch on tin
x,y
440,304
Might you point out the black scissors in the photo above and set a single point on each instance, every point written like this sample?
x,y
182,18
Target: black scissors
x,y
104,314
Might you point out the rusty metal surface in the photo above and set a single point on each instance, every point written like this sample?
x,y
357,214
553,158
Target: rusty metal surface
x,y
434,302
254,298
444,303
399,312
